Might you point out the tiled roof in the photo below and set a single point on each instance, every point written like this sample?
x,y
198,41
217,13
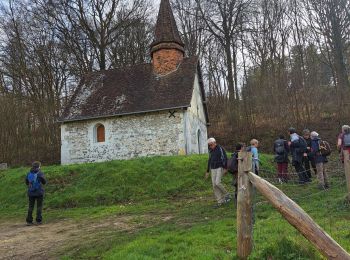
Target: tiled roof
x,y
132,90
166,30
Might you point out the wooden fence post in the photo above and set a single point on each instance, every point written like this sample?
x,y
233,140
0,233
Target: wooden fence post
x,y
346,154
244,207
298,218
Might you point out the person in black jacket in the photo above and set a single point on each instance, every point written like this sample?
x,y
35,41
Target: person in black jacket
x,y
281,150
35,179
233,168
298,149
309,158
217,165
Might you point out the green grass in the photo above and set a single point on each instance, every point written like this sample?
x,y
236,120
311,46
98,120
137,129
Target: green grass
x,y
168,204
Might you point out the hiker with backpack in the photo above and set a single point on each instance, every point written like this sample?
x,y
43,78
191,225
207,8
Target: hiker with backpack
x,y
217,165
320,153
232,167
298,149
35,179
344,147
281,150
308,158
340,141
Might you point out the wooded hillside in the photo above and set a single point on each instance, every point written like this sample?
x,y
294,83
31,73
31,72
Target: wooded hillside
x,y
267,65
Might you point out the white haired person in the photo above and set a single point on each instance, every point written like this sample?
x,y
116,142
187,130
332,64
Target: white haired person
x,y
217,165
344,149
320,161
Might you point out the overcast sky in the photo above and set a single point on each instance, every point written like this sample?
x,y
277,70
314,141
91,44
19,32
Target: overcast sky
x,y
155,2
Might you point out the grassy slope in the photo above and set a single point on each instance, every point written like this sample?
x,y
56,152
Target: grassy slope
x,y
172,187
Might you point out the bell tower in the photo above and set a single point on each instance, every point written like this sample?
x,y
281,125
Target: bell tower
x,y
167,49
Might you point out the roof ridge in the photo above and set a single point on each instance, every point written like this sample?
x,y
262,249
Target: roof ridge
x,y
132,66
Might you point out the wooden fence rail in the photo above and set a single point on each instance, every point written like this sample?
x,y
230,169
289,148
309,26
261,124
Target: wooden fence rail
x,y
291,211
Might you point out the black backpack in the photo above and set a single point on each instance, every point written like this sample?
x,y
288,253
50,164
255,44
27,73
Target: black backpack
x,y
279,147
232,163
303,144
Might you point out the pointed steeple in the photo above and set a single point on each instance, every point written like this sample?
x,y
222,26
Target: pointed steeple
x,y
167,49
166,30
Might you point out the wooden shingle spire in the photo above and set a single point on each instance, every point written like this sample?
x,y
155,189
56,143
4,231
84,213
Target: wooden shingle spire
x,y
167,49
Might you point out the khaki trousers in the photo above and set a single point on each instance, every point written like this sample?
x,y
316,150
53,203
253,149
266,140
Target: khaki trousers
x,y
321,174
347,170
219,190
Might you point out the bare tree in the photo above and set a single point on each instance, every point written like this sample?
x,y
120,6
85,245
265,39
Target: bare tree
x,y
224,20
330,23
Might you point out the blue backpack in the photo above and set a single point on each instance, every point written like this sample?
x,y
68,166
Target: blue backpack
x,y
34,182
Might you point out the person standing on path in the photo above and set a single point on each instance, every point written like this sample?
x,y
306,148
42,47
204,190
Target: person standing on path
x,y
35,179
320,161
344,147
217,165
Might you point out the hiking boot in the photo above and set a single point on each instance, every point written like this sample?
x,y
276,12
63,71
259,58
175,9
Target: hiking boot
x,y
216,206
227,199
38,223
29,224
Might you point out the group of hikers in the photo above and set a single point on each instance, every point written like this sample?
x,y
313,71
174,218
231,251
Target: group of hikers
x,y
306,150
308,153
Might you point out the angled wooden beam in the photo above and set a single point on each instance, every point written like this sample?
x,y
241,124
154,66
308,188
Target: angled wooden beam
x,y
298,218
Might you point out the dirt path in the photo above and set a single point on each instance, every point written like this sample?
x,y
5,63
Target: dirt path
x,y
18,241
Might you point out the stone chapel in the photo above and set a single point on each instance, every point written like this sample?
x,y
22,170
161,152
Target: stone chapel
x,y
143,110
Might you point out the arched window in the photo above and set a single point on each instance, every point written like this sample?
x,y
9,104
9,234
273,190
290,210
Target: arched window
x,y
100,133
199,140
